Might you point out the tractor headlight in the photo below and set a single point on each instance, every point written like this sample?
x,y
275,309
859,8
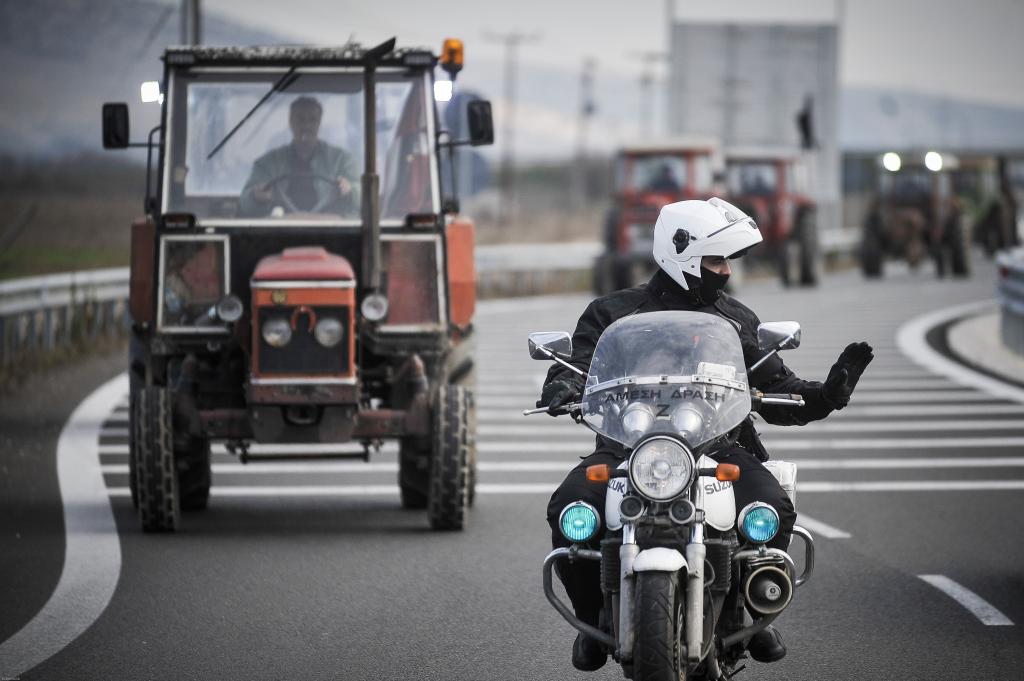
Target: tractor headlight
x,y
277,332
374,307
328,332
758,522
579,521
230,309
661,468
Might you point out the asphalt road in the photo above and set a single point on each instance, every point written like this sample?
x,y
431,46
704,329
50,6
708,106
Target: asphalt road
x,y
311,571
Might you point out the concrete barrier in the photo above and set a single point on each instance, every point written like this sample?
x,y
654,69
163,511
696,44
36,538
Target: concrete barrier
x,y
1010,291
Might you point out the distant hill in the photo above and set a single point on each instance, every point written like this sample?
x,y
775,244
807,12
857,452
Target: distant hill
x,y
63,58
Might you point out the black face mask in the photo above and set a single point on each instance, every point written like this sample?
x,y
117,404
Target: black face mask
x,y
711,285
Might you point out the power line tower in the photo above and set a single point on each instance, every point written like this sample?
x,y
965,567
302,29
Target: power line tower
x,y
587,108
511,42
645,111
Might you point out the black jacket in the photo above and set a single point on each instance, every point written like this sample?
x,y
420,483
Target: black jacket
x,y
662,293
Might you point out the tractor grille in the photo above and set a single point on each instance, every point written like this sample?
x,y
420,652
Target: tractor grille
x,y
303,354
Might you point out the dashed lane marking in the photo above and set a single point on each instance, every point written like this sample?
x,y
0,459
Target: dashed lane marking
x,y
975,604
818,527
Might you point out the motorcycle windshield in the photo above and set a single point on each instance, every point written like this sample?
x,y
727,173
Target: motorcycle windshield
x,y
677,372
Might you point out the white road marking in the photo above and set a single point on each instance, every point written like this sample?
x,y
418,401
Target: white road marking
x,y
818,527
911,340
778,445
291,468
92,554
849,414
519,401
974,603
912,486
564,466
563,429
548,487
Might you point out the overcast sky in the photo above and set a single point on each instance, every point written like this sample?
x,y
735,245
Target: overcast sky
x,y
962,48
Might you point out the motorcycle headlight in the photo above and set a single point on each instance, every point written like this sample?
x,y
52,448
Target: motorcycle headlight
x,y
637,419
687,421
579,521
328,332
661,468
277,332
758,522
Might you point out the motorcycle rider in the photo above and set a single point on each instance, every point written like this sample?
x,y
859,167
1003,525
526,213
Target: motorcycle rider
x,y
693,242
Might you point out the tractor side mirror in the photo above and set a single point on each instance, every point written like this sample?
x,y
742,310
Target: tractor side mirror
x,y
778,335
481,124
115,125
543,344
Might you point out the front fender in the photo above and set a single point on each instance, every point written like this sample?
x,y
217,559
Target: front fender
x,y
659,559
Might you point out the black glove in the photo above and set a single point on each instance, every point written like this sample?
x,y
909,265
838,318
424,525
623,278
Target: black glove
x,y
557,394
845,373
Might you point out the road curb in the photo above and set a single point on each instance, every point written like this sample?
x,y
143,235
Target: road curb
x,y
912,340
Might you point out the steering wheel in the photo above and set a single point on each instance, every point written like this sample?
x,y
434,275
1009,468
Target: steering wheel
x,y
280,195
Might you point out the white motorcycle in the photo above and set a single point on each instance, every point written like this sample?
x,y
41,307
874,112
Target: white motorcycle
x,y
687,581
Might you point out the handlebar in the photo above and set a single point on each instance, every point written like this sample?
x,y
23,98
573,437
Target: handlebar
x,y
565,409
758,398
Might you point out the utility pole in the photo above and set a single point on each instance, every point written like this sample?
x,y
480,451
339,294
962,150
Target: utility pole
x,y
587,107
511,41
191,23
646,108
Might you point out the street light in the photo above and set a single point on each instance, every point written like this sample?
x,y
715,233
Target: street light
x,y
891,161
933,161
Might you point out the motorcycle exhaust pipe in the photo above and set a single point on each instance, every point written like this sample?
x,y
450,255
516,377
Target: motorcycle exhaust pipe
x,y
768,590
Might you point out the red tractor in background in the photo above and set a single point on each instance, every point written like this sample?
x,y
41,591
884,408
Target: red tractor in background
x,y
648,176
770,185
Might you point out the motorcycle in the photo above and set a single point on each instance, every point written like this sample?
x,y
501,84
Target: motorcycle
x,y
680,568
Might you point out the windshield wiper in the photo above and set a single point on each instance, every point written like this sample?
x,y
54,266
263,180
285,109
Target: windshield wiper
x,y
283,83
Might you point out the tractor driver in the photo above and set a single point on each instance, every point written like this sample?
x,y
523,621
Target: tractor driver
x,y
693,242
307,175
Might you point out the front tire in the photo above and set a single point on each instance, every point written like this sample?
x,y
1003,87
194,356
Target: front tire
x,y
155,472
658,654
448,496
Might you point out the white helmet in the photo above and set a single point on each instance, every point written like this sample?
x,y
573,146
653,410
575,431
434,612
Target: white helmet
x,y
688,230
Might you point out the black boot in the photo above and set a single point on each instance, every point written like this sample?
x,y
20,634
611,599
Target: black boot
x,y
766,645
588,655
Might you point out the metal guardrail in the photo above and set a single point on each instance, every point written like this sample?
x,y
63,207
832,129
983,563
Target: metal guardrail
x,y
1010,291
39,315
44,314
58,311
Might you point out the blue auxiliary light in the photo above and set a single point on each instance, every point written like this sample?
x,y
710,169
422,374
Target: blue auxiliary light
x,y
579,521
759,522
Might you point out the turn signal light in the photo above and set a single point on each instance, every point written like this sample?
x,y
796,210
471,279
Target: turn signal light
x,y
727,472
601,472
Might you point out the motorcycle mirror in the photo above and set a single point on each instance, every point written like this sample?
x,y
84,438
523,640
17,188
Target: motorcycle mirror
x,y
778,335
558,343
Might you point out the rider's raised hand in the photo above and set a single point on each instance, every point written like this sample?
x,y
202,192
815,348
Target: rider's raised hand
x,y
845,373
556,395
